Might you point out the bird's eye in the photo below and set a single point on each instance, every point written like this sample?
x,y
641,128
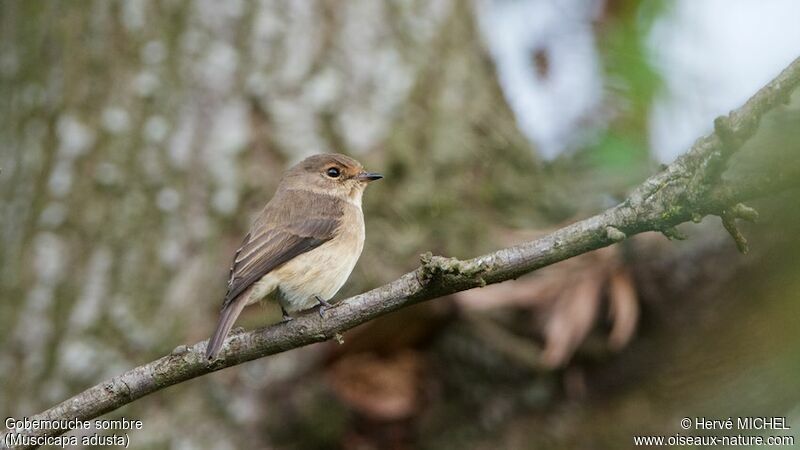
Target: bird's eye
x,y
333,172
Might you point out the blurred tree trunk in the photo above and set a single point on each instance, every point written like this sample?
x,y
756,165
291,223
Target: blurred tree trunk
x,y
140,137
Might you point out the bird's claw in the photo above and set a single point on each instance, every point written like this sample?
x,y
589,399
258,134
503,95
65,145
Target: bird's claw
x,y
285,316
323,306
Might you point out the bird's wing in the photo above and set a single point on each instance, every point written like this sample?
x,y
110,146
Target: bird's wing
x,y
281,234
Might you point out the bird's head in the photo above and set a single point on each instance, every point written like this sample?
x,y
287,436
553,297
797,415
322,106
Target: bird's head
x,y
331,174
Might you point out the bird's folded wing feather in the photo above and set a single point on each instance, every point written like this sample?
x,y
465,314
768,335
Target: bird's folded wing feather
x,y
278,237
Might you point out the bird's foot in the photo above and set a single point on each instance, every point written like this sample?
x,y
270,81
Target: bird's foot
x,y
285,315
323,306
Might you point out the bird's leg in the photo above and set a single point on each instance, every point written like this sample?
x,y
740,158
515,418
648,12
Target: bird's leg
x,y
323,305
285,315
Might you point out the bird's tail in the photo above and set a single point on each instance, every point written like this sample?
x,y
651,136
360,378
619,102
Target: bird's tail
x,y
227,317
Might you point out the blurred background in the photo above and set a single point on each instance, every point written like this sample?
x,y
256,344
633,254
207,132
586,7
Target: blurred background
x,y
138,139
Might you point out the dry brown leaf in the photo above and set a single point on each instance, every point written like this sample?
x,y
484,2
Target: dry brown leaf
x,y
565,299
623,307
526,292
571,319
381,387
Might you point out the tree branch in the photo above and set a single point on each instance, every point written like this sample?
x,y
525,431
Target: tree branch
x,y
688,189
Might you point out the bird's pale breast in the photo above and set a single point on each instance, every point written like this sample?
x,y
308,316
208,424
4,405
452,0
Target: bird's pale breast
x,y
319,272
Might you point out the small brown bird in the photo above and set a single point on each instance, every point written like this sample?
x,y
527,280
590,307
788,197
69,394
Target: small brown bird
x,y
304,244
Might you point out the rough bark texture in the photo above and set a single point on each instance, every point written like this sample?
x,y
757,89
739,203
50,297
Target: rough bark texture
x,y
692,187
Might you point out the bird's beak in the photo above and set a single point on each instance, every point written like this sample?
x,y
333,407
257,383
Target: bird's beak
x,y
368,176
